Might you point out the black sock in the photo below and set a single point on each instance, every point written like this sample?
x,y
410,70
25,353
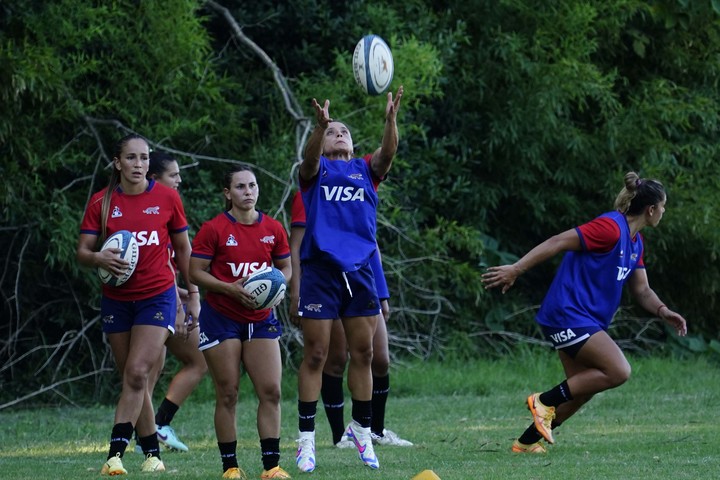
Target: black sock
x,y
381,388
306,416
530,435
228,454
120,438
150,445
270,449
362,412
557,395
165,413
334,401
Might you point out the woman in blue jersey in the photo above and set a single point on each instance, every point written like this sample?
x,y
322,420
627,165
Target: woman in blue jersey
x,y
600,257
339,192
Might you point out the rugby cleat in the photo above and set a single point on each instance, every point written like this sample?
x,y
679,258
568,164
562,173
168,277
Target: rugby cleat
x,y
363,442
152,464
235,472
542,416
113,466
166,435
536,447
276,472
305,456
390,438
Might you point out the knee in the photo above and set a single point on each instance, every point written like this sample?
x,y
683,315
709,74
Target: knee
x,y
362,354
136,377
620,375
315,356
227,396
380,364
335,363
270,395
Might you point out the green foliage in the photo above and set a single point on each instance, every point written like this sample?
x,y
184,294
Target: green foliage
x,y
519,119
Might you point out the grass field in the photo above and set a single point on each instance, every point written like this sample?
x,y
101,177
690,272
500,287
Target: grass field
x,y
661,424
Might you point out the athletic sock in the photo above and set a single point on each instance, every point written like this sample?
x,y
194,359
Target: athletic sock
x,y
306,416
334,402
270,450
362,412
557,395
228,454
381,388
150,445
166,412
530,435
120,438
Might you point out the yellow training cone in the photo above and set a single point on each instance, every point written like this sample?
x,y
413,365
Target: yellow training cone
x,y
426,475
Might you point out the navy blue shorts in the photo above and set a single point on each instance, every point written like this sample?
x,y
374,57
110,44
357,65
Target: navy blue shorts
x,y
216,327
121,315
569,340
330,294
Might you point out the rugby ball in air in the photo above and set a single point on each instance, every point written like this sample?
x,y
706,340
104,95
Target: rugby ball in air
x,y
125,241
267,287
373,64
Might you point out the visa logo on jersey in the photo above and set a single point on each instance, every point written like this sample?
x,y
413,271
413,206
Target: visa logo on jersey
x,y
343,194
240,270
147,238
622,273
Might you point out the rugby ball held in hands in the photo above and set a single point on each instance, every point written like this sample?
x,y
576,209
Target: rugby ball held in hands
x,y
373,64
125,241
267,287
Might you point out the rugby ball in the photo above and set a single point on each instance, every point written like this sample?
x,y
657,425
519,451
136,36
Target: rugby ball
x,y
373,64
267,287
125,241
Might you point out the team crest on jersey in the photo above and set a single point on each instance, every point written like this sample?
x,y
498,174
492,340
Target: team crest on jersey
x,y
355,176
231,242
116,212
268,239
152,211
633,257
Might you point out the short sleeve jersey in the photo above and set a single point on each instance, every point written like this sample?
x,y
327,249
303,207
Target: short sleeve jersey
x,y
587,289
340,203
151,217
297,219
236,250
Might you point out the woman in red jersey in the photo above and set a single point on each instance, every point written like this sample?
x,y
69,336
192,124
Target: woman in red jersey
x,y
226,250
138,315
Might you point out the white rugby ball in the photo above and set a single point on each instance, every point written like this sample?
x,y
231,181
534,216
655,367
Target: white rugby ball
x,y
267,287
373,64
125,241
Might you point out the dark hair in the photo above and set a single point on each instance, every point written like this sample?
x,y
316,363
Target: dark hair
x,y
159,162
639,193
115,179
228,180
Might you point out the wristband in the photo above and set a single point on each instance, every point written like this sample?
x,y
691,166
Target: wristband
x,y
657,312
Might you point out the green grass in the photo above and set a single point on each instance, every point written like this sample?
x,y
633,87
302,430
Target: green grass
x,y
462,417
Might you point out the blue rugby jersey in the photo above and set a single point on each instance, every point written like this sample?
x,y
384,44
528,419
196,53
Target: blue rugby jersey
x,y
587,287
340,203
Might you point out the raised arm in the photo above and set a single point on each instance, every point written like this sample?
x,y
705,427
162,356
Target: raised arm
x,y
382,157
313,149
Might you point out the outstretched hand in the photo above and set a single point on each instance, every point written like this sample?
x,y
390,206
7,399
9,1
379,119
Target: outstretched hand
x,y
393,106
675,320
322,114
503,275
